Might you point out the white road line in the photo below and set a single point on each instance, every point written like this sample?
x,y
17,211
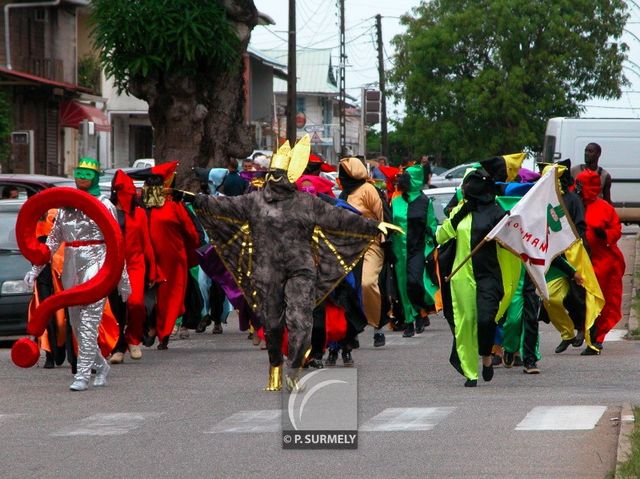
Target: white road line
x,y
407,419
615,335
110,424
561,418
267,420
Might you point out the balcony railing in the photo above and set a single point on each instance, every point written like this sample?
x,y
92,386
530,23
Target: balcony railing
x,y
50,68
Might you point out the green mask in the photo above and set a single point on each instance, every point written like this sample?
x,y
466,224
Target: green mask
x,y
87,174
84,174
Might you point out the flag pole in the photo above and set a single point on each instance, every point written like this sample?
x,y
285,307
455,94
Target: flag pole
x,y
474,251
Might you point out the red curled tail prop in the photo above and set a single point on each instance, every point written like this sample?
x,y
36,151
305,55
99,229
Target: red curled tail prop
x,y
86,293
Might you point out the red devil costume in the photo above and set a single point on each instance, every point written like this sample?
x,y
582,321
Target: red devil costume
x,y
140,261
174,239
603,232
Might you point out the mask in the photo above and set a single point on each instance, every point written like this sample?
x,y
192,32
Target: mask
x,y
153,196
308,189
84,174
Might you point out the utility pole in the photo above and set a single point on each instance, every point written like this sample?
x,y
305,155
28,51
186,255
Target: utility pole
x,y
384,140
343,95
291,76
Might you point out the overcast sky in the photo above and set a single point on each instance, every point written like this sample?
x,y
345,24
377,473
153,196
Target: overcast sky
x,y
318,27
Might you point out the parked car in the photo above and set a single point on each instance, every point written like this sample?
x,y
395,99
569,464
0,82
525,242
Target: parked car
x,y
29,185
441,198
452,177
144,163
14,292
106,178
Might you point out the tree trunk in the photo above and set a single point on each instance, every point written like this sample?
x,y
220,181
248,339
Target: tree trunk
x,y
199,120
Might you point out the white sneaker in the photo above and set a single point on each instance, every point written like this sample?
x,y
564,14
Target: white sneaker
x,y
117,358
135,351
101,376
79,385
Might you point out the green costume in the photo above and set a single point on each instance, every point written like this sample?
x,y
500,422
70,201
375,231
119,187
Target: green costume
x,y
413,212
482,289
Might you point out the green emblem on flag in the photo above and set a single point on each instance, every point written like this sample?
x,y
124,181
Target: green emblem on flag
x,y
554,215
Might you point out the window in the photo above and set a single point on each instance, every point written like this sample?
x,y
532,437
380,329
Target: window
x,y
300,104
549,149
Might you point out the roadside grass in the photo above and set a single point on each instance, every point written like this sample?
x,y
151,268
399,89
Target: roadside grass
x,y
630,469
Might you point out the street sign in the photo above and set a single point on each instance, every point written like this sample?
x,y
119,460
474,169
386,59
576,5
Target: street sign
x,y
316,138
314,128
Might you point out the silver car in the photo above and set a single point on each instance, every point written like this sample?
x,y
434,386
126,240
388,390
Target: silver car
x,y
452,177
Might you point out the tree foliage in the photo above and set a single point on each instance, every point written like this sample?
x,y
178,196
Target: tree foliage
x,y
481,77
141,38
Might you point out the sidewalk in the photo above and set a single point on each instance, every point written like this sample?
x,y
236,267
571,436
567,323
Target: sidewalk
x,y
631,251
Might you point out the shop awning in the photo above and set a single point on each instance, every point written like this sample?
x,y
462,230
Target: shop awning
x,y
72,113
23,78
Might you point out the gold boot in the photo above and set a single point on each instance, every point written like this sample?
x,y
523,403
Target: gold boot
x,y
275,379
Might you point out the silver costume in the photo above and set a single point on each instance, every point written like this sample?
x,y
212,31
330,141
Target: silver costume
x,y
81,263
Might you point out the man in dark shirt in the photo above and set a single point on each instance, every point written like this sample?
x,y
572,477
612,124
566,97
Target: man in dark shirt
x,y
234,184
591,156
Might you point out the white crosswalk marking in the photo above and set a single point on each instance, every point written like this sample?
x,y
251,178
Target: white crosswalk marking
x,y
561,418
268,420
111,424
407,419
615,335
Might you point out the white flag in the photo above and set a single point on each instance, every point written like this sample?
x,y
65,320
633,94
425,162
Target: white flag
x,y
537,229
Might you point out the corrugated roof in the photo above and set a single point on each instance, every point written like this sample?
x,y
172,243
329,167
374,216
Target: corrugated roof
x,y
313,69
280,69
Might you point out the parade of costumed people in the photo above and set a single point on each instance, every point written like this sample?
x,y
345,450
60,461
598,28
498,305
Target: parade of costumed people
x,y
85,253
287,250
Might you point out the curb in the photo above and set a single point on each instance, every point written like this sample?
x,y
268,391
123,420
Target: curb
x,y
632,324
627,423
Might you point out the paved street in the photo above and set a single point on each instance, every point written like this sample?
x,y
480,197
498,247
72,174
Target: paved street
x,y
197,410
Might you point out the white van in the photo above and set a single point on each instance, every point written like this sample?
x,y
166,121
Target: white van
x,y
619,139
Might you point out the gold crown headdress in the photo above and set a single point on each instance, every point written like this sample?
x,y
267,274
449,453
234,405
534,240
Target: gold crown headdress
x,y
293,161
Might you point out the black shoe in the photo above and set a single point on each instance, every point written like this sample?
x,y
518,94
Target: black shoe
x,y
164,344
517,361
149,340
355,344
419,325
590,352
347,360
217,328
487,373
409,331
379,340
578,340
48,362
564,344
202,325
507,359
331,358
530,367
471,383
